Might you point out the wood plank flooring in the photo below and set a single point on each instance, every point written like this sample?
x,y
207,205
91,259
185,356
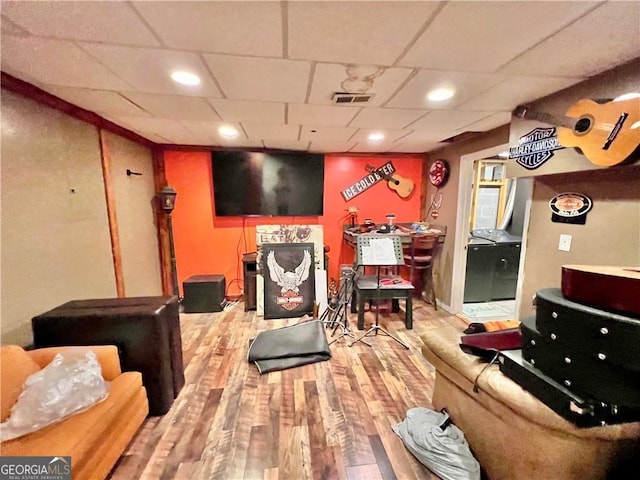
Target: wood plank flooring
x,y
329,420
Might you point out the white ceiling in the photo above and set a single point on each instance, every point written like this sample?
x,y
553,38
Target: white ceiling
x,y
270,68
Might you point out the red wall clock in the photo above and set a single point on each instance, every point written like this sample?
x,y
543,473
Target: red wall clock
x,y
439,173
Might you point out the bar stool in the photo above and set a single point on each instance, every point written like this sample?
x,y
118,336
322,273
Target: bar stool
x,y
419,258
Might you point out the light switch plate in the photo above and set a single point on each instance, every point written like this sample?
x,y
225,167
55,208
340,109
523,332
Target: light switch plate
x,y
565,243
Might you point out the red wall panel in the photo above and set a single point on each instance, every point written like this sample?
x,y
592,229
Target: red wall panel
x,y
206,244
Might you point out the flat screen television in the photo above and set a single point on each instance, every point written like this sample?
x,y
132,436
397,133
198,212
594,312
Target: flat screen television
x,y
267,184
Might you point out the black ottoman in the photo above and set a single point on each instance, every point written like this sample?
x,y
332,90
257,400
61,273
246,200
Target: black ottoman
x,y
204,293
146,331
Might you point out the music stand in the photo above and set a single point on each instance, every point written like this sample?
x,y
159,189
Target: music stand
x,y
378,250
336,313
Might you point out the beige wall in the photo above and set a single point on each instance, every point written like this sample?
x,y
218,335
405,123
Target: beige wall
x,y
448,211
611,235
137,230
54,228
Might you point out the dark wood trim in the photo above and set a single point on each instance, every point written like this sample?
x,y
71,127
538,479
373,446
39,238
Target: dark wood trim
x,y
116,252
159,181
31,91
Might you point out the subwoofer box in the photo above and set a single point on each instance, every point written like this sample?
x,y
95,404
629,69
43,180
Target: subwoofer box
x,y
204,293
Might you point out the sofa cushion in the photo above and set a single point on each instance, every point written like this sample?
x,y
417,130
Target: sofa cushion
x,y
80,433
441,348
17,365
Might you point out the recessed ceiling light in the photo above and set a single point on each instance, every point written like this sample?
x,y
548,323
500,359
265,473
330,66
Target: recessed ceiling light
x,y
376,137
185,78
440,94
228,131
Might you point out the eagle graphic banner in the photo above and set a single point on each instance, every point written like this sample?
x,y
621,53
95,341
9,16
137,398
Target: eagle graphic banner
x,y
289,280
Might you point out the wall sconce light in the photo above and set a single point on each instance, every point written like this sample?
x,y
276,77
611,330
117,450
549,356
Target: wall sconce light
x,y
167,198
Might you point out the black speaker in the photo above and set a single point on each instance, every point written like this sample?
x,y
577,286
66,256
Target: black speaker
x,y
204,293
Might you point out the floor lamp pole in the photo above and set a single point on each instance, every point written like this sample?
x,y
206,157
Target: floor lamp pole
x,y
167,198
172,252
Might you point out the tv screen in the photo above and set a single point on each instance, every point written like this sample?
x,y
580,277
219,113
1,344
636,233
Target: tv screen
x,y
274,184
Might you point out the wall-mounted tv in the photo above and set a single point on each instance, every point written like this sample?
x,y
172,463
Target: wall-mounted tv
x,y
267,184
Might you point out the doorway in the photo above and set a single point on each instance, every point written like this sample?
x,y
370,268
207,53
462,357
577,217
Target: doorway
x,y
487,261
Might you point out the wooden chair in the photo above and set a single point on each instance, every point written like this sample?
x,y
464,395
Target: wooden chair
x,y
419,257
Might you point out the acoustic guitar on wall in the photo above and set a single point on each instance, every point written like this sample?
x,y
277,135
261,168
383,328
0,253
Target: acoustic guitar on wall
x,y
606,133
402,186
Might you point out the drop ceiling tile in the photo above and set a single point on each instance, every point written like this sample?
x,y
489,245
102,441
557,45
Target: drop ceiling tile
x,y
414,147
287,145
173,106
488,34
444,120
517,90
243,111
488,123
390,135
240,143
166,128
325,115
148,70
267,131
581,49
108,22
237,28
316,133
427,136
262,79
330,146
57,62
99,101
374,33
209,129
329,78
386,117
365,147
466,85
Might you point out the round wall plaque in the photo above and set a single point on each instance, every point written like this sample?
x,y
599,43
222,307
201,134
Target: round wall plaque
x,y
439,173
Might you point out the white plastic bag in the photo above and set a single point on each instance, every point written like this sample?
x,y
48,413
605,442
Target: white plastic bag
x,y
69,384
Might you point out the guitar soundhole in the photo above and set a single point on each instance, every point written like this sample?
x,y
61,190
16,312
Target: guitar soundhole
x,y
583,125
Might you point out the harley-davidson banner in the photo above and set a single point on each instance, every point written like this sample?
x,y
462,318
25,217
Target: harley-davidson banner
x,y
289,280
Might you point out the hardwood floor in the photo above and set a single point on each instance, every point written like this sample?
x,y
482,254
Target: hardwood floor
x,y
328,420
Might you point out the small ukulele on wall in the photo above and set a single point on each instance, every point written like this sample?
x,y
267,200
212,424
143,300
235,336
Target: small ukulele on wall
x,y
606,133
402,186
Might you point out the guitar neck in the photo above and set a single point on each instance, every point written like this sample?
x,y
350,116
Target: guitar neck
x,y
388,178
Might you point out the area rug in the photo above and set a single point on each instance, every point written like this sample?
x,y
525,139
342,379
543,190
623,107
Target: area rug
x,y
290,346
486,310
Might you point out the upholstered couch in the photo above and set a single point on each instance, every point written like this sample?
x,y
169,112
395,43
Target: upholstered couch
x,y
94,438
512,433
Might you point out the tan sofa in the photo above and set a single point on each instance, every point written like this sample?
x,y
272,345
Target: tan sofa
x,y
94,438
513,434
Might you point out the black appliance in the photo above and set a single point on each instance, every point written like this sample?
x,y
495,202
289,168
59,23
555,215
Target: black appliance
x,y
493,258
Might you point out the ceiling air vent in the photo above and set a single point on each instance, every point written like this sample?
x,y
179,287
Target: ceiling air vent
x,y
344,97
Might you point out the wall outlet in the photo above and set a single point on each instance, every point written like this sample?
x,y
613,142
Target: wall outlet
x,y
565,243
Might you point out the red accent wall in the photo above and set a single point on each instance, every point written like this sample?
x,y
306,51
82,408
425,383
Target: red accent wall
x,y
206,244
